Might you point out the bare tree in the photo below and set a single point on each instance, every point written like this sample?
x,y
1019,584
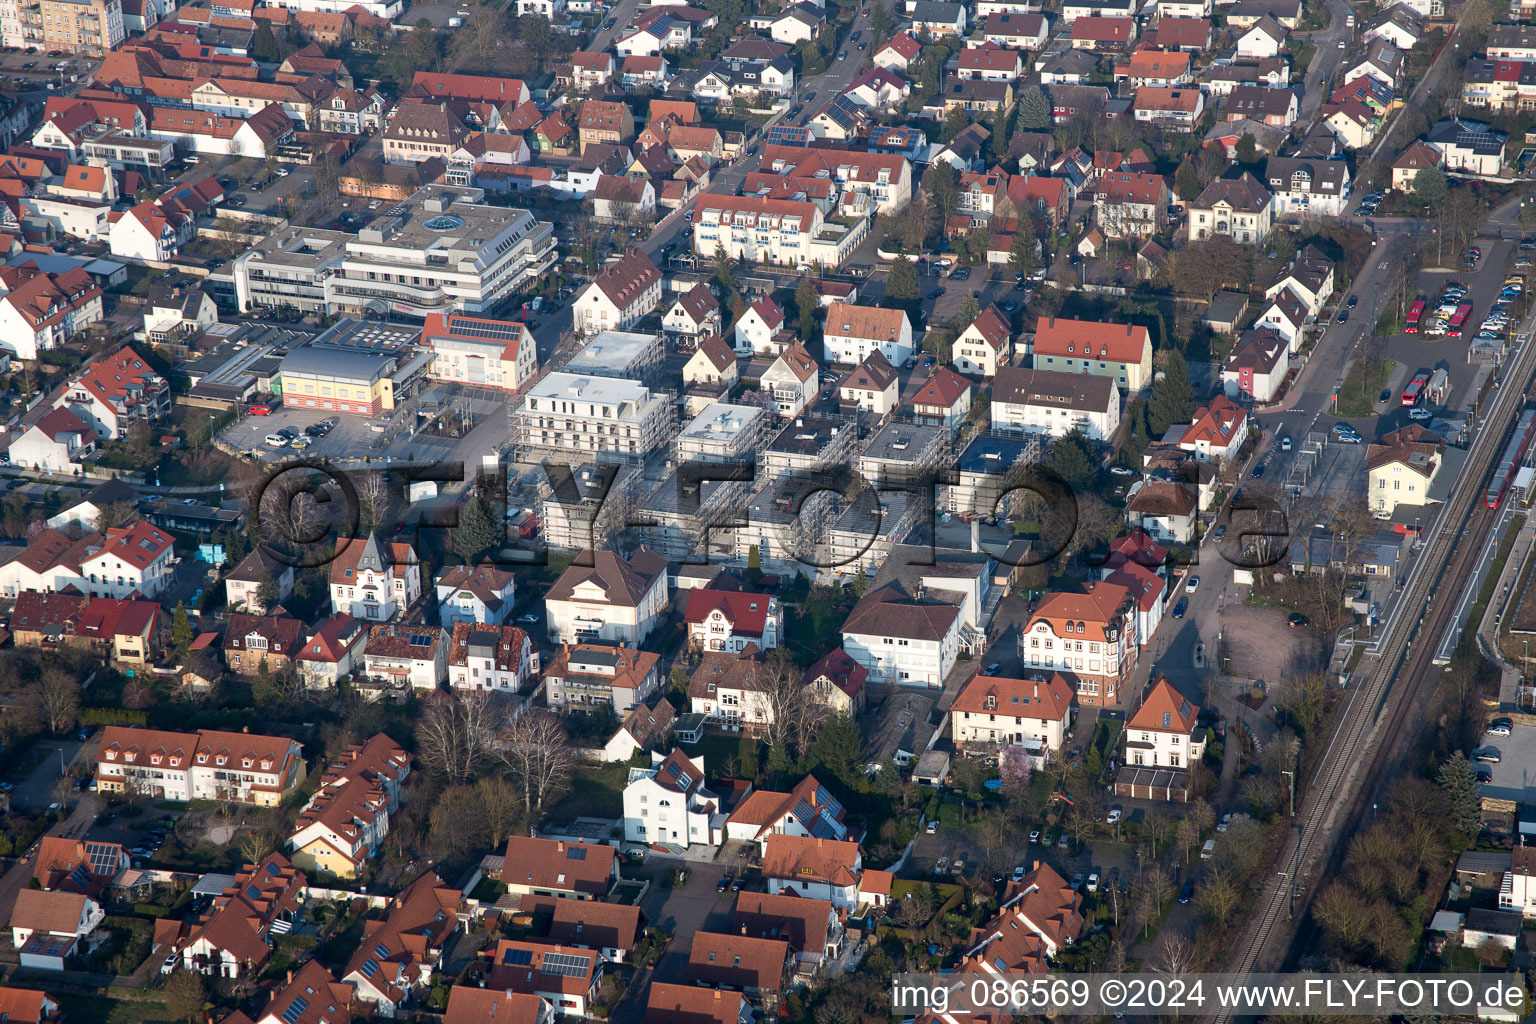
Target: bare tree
x,y
373,501
454,735
793,717
1176,957
58,698
537,752
1158,887
1218,896
258,841
499,806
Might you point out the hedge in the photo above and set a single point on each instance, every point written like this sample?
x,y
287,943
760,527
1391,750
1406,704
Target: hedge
x,y
112,716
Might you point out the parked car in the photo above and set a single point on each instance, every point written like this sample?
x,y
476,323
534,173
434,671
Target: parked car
x,y
1221,531
1188,892
931,827
1018,873
1034,835
1180,608
1077,881
1193,584
1296,620
1093,882
1113,817
1500,727
1418,412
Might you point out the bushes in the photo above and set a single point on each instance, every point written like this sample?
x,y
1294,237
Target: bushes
x,y
112,716
149,910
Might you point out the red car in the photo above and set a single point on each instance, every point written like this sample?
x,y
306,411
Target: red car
x,y
261,410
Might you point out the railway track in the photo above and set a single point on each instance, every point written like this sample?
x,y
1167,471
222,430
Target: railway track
x,y
1369,727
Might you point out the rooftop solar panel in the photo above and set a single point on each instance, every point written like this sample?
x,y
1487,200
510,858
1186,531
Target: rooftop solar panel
x,y
370,968
518,957
566,965
576,853
295,1009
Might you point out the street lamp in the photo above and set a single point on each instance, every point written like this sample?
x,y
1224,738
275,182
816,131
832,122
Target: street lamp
x,y
1292,776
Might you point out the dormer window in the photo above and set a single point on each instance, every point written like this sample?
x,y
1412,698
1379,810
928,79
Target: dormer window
x,y
221,759
245,762
202,758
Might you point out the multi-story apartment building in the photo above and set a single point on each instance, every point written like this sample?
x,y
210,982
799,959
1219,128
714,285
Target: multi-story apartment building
x,y
207,765
348,817
1121,352
851,333
667,803
500,658
90,27
604,597
784,232
583,677
1089,637
444,252
571,417
1240,208
886,178
1054,403
723,433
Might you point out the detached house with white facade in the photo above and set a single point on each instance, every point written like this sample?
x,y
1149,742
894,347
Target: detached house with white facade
x,y
482,593
1164,734
137,559
619,295
851,333
667,803
814,867
374,581
729,620
604,597
992,712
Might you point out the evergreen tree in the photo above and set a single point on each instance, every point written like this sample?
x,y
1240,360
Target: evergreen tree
x,y
837,751
1034,111
1186,182
955,122
879,23
1430,185
268,593
725,276
1173,397
1247,150
969,310
1072,458
181,628
1140,435
478,530
808,300
1021,254
1459,785
901,284
746,753
780,764
264,44
943,188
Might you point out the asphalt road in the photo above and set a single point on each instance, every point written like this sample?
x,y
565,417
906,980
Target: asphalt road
x,y
1318,81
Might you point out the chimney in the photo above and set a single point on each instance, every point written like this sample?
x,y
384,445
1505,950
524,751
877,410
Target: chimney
x,y
1037,689
743,929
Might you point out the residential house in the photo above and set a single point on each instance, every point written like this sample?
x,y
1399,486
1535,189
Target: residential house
x,y
116,392
560,976
619,295
1165,509
1274,107
756,967
615,679
1264,38
1315,187
1257,365
1240,208
985,345
667,803
872,386
1090,637
1122,352
235,937
256,643
40,311
898,53
1171,109
758,326
373,580
937,19
808,810
991,712
813,867
903,638
1470,147
479,351
837,681
1309,276
1418,156
851,333
312,995
347,819
646,727
555,867
591,71
1054,403
499,658
1164,731
812,928
47,926
603,596
33,1006
334,652
1401,468
398,957
60,442
791,381
77,866
728,620
943,400
242,584
135,560
483,593
1131,204
600,122
1217,432
1039,917
411,657
609,928
469,1005
693,316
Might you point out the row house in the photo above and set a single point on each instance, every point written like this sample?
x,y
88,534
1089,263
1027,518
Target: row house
x,y
347,819
755,967
207,765
564,979
40,311
235,938
399,956
126,632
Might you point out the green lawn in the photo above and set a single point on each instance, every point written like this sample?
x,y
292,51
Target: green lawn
x,y
1365,379
105,1010
597,792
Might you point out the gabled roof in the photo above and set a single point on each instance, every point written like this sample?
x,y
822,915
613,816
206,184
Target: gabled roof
x,y
866,322
1047,697
627,280
738,961
624,581
54,913
1165,710
685,1004
991,326
1120,343
798,920
903,44
746,613
470,1005
874,374
558,865
943,390
803,858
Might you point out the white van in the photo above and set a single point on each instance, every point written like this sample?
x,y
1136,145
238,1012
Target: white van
x,y
276,441
1208,850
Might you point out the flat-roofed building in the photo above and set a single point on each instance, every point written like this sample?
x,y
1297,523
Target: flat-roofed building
x,y
902,451
723,433
806,443
606,419
630,354
289,268
355,366
988,468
